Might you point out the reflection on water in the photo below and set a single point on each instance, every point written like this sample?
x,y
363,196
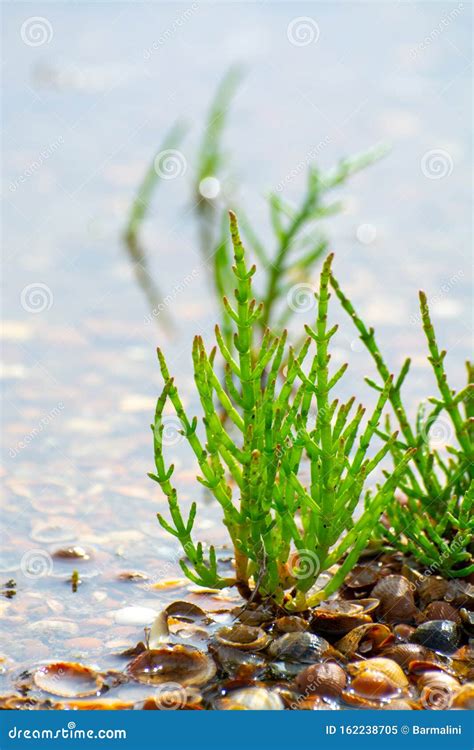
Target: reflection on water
x,y
80,378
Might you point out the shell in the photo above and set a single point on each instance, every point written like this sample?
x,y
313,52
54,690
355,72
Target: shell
x,y
465,697
339,617
404,653
323,679
253,614
364,639
299,647
291,624
438,610
397,603
432,588
439,635
467,620
186,611
362,578
373,685
238,664
243,637
460,594
251,699
185,665
68,680
437,690
387,667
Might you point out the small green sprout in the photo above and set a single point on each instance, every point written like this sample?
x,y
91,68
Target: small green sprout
x,y
434,523
288,467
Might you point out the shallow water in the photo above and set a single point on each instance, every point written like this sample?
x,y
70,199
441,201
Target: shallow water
x,y
80,377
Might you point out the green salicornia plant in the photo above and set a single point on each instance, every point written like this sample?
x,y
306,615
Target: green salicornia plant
x,y
435,520
290,464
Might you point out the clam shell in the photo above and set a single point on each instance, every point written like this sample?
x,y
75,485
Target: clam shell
x,y
439,610
404,653
185,665
431,589
68,680
397,603
387,667
299,647
291,624
322,679
251,699
339,617
364,639
465,697
243,637
238,664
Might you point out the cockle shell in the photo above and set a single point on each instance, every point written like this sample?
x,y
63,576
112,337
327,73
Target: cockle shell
x,y
68,680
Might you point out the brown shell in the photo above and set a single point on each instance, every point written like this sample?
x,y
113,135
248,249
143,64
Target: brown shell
x,y
460,594
404,653
397,602
185,665
291,624
374,685
364,639
68,680
323,679
304,648
339,617
243,637
362,578
439,610
432,588
465,697
387,667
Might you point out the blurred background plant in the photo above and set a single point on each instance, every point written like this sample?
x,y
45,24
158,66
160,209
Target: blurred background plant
x,y
433,520
297,241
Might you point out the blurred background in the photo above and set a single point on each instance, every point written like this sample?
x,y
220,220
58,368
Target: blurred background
x,y
90,91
